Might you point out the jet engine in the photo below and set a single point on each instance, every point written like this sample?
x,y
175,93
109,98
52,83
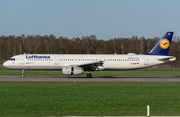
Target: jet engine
x,y
72,70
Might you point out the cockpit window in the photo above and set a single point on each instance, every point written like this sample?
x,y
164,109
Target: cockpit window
x,y
12,59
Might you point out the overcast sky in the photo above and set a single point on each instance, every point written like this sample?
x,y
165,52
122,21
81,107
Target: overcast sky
x,y
107,19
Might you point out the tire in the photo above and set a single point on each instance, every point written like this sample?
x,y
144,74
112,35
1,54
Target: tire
x,y
89,75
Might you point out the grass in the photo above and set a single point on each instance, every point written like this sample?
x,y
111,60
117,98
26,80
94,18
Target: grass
x,y
89,99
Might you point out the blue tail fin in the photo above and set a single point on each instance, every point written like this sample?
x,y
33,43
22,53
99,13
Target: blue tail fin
x,y
163,45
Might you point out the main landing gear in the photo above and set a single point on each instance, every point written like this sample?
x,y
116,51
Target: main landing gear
x,y
89,75
22,75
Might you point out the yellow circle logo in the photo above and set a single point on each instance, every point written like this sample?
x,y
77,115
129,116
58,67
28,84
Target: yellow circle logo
x,y
164,43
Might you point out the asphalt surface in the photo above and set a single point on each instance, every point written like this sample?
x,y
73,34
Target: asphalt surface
x,y
93,79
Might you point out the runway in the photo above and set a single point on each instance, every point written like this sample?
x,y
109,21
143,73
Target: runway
x,y
94,79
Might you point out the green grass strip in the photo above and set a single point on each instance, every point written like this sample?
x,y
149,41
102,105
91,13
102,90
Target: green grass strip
x,y
89,99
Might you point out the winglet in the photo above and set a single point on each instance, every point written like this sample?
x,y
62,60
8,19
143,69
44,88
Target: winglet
x,y
163,45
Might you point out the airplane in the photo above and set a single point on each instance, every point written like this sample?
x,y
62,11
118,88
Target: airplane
x,y
76,64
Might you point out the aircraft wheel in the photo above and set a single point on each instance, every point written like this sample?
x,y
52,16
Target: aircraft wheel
x,y
89,75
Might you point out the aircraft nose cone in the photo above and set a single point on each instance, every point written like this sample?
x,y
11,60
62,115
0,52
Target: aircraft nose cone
x,y
5,64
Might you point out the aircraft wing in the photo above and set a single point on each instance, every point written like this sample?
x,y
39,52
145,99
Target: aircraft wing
x,y
95,63
91,66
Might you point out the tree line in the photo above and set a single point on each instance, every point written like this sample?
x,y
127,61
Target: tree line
x,y
14,45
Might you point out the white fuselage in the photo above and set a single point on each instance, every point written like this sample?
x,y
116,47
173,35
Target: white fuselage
x,y
110,62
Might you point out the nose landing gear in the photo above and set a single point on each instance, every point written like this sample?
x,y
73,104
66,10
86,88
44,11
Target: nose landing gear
x,y
22,75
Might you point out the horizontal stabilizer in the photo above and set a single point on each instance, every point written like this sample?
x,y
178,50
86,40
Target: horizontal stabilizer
x,y
170,58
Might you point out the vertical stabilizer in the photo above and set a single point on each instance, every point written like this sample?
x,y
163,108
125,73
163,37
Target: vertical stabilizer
x,y
163,45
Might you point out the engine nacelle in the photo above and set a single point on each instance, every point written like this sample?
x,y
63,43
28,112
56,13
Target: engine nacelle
x,y
72,70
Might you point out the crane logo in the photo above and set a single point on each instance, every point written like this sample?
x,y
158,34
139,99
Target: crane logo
x,y
164,43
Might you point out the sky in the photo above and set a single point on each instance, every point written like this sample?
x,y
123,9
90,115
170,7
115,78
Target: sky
x,y
107,19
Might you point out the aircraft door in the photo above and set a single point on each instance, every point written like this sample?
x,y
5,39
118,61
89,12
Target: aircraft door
x,y
146,60
56,60
22,60
101,59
